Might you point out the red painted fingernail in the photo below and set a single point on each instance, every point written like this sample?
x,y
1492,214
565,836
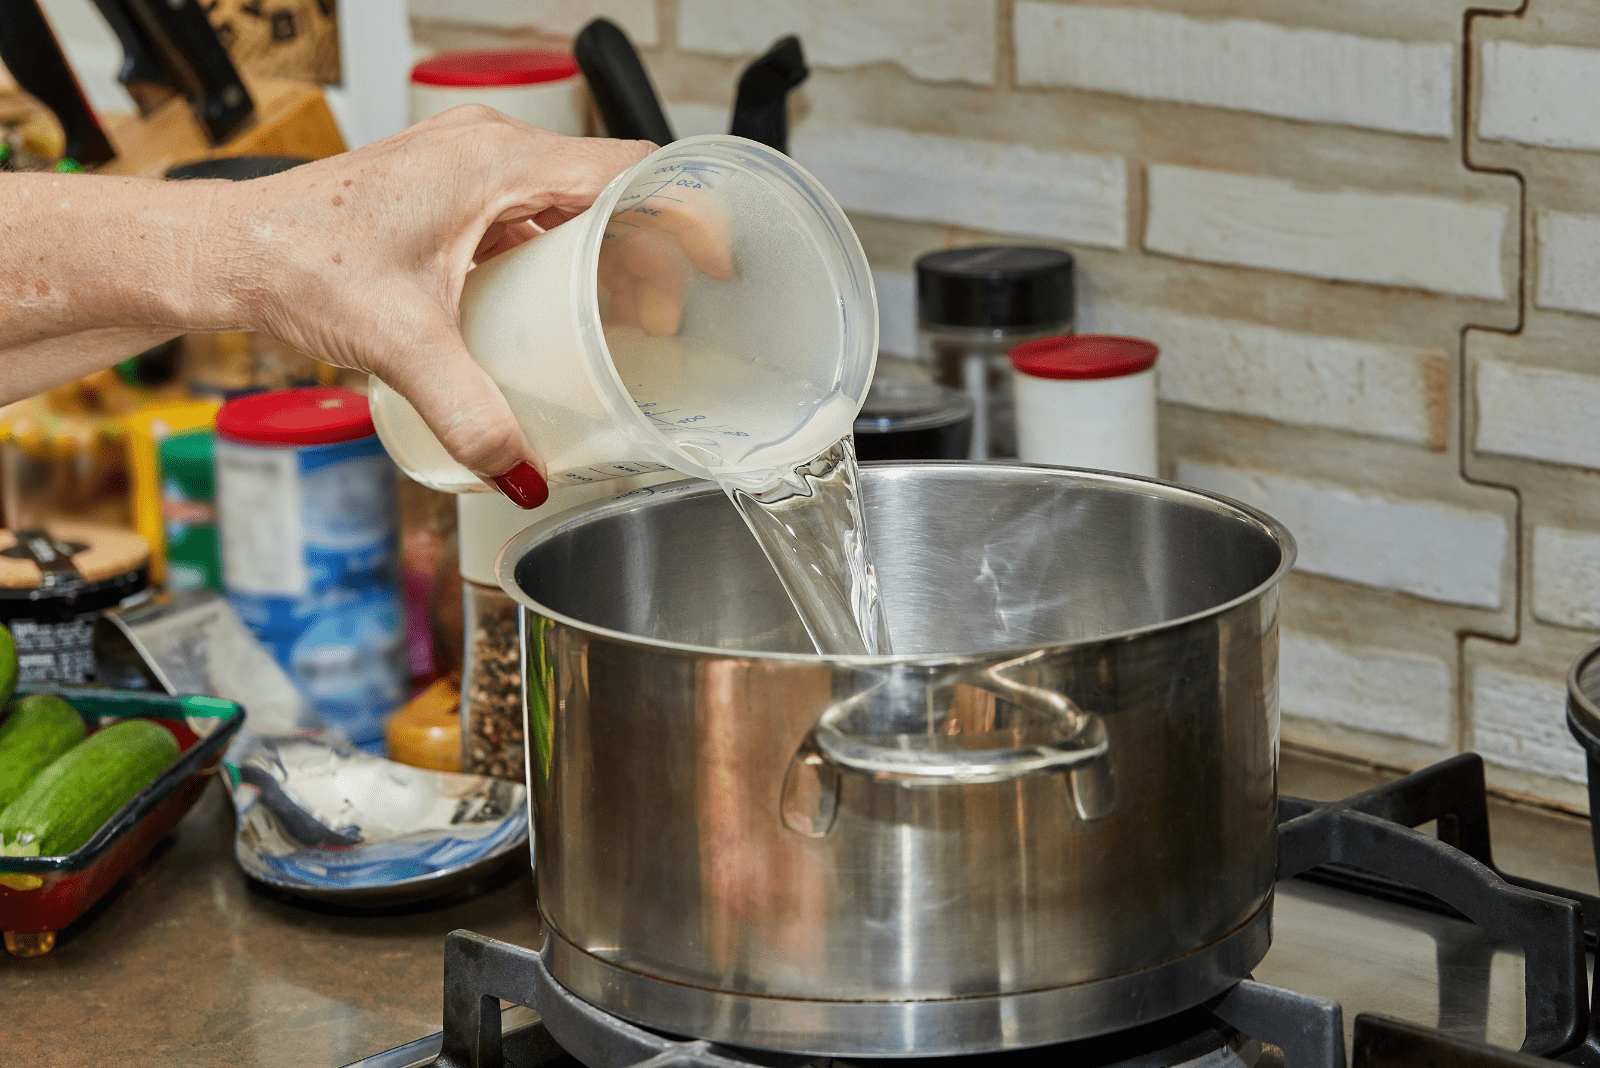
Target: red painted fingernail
x,y
523,486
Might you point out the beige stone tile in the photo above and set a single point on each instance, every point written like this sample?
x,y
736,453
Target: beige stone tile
x,y
1274,68
937,40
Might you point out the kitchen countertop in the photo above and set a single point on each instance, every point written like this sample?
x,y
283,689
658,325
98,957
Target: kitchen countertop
x,y
187,965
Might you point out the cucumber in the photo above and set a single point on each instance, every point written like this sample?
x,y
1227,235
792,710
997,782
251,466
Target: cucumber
x,y
72,798
8,665
40,728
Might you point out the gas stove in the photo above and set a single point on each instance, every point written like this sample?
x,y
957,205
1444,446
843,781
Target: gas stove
x,y
1400,924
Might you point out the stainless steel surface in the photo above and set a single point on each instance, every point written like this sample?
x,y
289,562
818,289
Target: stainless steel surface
x,y
823,1026
697,845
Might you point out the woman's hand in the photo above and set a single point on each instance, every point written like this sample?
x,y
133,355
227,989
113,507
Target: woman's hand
x,y
358,261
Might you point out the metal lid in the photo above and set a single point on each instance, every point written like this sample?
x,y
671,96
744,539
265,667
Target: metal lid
x,y
894,405
995,286
1084,356
321,415
502,68
1583,700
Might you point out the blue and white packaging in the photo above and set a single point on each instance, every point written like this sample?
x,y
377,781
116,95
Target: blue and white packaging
x,y
311,549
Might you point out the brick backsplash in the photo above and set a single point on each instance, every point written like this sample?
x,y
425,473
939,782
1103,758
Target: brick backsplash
x,y
1374,690
1252,65
1226,365
1540,94
939,40
987,185
1426,548
1358,235
1569,261
1366,236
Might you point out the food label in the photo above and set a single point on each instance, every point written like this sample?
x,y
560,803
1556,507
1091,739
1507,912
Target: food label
x,y
258,505
55,652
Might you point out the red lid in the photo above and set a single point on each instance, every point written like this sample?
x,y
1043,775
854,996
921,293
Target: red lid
x,y
1084,356
323,415
518,66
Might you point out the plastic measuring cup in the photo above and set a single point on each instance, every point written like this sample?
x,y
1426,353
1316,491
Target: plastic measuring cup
x,y
712,310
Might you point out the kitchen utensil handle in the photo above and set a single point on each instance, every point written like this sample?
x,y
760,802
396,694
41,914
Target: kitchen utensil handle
x,y
761,108
1082,739
142,73
34,58
618,83
196,59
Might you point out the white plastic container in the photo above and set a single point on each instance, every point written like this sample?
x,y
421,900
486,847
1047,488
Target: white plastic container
x,y
541,88
759,333
1087,401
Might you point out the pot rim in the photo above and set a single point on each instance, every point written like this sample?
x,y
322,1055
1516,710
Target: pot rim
x,y
512,553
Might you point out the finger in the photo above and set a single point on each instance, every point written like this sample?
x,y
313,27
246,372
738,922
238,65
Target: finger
x,y
662,271
466,411
622,309
701,229
542,171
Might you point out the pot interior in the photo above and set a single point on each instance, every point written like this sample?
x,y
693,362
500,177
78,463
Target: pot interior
x,y
971,558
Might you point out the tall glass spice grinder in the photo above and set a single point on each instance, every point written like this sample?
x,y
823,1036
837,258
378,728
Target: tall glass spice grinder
x,y
491,670
493,727
974,305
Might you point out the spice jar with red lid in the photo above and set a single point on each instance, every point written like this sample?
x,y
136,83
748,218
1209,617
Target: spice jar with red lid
x,y
542,88
1087,401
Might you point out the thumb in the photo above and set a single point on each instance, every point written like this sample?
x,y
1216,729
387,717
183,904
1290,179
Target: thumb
x,y
469,415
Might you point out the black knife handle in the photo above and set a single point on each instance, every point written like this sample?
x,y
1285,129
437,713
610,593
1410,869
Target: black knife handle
x,y
195,58
143,73
30,52
619,85
761,110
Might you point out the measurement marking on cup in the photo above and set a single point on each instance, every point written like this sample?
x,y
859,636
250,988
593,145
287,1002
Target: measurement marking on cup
x,y
695,419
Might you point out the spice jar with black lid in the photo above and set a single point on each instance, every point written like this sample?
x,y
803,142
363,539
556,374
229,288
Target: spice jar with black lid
x,y
974,305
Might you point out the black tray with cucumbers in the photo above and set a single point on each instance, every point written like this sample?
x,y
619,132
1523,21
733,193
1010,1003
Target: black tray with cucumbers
x,y
90,780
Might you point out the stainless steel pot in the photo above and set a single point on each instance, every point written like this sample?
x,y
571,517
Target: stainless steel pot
x,y
1051,815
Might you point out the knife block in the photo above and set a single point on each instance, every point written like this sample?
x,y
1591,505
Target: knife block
x,y
291,119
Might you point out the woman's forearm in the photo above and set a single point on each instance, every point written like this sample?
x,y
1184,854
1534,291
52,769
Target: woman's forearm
x,y
81,288
357,260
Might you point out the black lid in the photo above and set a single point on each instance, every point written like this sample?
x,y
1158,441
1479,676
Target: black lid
x,y
894,405
236,168
995,286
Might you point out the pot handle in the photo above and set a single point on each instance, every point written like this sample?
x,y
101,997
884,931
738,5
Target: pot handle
x,y
1081,739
